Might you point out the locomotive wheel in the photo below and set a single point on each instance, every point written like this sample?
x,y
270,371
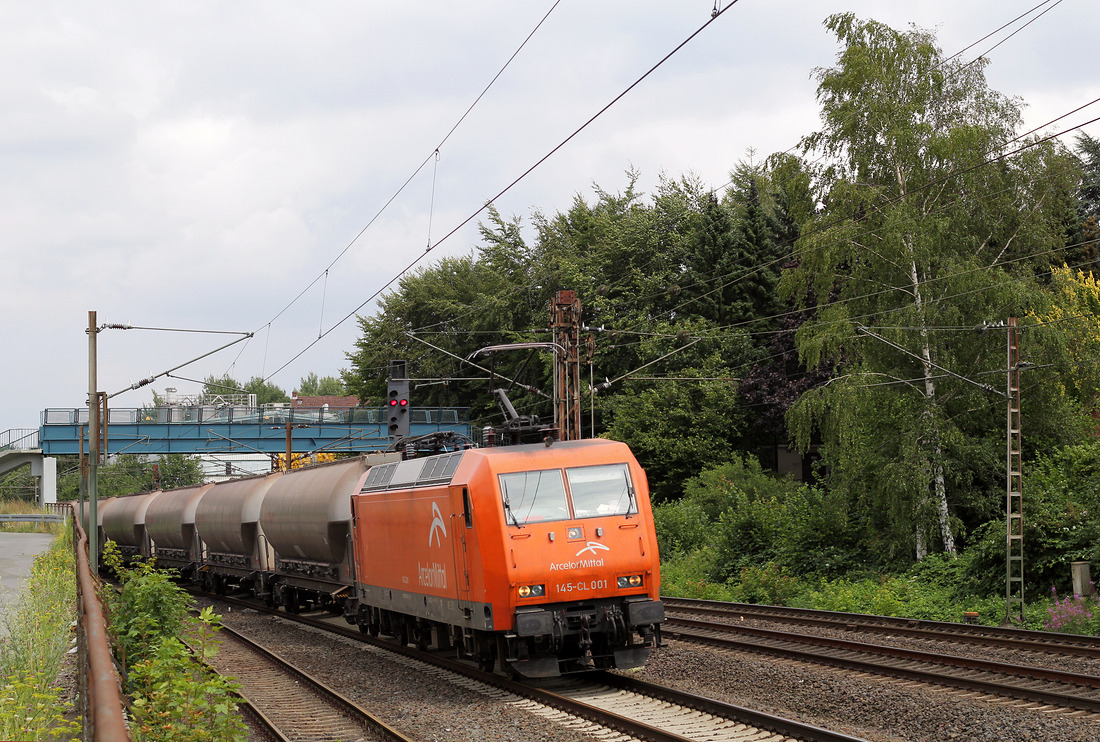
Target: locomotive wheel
x,y
423,636
487,655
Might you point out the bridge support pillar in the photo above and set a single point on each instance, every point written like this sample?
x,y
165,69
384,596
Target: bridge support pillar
x,y
44,469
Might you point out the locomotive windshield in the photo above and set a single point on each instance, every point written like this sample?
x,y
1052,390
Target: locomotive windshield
x,y
533,496
594,491
601,490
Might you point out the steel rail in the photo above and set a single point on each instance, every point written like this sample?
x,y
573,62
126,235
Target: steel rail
x,y
581,709
576,708
261,724
995,636
787,645
778,724
345,706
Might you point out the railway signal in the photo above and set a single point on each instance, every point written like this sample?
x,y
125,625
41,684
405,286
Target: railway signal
x,y
397,400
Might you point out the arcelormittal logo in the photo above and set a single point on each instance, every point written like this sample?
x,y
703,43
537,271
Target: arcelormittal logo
x,y
438,527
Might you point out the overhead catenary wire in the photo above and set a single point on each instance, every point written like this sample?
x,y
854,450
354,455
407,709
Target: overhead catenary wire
x,y
430,246
416,171
986,159
435,153
508,187
1002,28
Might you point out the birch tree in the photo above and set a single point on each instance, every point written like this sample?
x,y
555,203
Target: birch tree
x,y
927,228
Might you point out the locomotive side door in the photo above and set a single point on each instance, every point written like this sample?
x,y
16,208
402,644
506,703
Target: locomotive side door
x,y
463,521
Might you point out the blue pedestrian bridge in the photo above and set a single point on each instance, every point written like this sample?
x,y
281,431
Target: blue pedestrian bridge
x,y
211,429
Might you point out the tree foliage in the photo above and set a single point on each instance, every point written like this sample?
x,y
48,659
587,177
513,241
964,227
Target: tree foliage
x,y
836,303
312,385
265,391
127,474
925,233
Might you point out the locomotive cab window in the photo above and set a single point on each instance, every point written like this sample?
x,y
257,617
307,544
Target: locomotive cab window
x,y
601,491
533,496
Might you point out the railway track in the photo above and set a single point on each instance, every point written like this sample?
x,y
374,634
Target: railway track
x,y
632,708
1033,684
288,703
973,634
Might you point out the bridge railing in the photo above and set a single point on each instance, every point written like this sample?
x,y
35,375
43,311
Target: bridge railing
x,y
19,439
207,414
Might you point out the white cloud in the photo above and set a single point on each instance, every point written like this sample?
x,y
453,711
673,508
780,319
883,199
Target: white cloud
x,y
199,164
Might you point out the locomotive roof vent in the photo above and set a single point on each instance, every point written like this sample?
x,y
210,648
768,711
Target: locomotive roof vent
x,y
413,473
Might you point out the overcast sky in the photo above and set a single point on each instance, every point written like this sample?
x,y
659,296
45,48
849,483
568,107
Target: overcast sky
x,y
198,165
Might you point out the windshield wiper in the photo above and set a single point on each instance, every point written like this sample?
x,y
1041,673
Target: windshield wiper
x,y
509,513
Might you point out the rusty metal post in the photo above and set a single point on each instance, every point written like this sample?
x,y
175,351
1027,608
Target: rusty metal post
x,y
83,494
93,446
566,314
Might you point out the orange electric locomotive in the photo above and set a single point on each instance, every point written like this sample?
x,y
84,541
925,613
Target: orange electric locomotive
x,y
543,558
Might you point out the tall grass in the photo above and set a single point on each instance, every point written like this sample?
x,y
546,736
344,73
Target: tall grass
x,y
26,507
39,633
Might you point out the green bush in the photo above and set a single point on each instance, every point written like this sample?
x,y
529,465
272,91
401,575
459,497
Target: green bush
x,y
818,536
682,527
747,534
1061,526
753,518
147,608
688,576
176,698
767,584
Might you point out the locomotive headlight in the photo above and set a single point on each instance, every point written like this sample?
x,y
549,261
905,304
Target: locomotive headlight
x,y
532,591
630,581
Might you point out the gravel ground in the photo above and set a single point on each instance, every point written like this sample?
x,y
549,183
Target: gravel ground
x,y
403,694
961,648
874,708
407,696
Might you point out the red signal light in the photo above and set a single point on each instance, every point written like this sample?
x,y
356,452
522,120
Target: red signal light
x,y
404,403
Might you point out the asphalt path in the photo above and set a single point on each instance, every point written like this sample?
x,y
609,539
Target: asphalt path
x,y
17,553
